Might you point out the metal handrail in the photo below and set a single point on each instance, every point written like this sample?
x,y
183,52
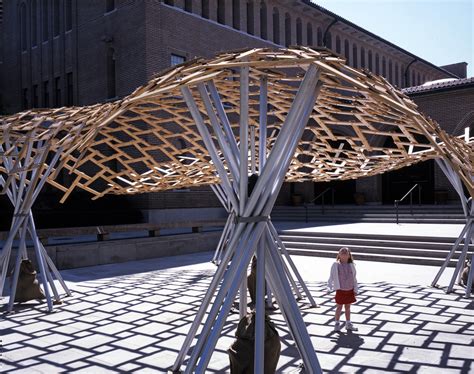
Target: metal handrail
x,y
321,195
409,193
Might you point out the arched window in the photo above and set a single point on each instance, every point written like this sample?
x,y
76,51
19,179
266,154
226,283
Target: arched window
x,y
320,36
355,63
236,14
250,20
377,64
419,79
287,29
188,5
263,20
384,67
328,41
34,23
205,9
423,79
390,71
397,75
276,25
221,11
111,77
299,32
23,26
371,64
346,50
362,57
413,78
338,44
56,17
309,34
45,21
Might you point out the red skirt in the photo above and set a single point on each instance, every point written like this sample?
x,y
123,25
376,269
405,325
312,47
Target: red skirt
x,y
345,297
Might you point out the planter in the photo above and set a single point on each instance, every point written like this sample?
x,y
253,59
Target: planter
x,y
359,198
296,199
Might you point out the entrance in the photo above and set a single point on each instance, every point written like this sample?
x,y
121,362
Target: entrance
x,y
343,191
397,183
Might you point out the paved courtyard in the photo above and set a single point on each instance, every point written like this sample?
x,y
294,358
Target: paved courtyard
x,y
133,317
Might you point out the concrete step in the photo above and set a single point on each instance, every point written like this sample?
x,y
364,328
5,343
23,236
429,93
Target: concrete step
x,y
366,249
429,261
430,245
427,250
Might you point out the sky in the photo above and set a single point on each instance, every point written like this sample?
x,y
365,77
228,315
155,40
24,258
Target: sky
x,y
439,31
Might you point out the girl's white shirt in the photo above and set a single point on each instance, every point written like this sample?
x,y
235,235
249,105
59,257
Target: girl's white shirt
x,y
333,282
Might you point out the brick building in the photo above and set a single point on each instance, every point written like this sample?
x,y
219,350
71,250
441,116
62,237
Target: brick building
x,y
71,52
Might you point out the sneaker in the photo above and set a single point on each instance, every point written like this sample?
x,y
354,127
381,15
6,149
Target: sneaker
x,y
337,326
350,327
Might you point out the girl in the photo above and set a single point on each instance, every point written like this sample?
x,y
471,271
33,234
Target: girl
x,y
343,280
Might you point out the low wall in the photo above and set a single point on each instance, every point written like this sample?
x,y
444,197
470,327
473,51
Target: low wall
x,y
68,256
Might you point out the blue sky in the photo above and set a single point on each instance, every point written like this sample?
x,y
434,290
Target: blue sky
x,y
440,31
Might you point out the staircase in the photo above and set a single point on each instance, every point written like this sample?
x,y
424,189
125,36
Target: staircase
x,y
452,214
387,248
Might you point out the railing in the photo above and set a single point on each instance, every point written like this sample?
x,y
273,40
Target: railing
x,y
321,195
409,193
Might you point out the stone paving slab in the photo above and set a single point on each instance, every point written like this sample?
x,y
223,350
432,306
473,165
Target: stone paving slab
x,y
133,317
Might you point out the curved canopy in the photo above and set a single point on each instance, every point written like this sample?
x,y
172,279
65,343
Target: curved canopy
x,y
360,126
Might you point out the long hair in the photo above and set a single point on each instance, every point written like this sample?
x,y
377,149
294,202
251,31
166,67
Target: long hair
x,y
350,260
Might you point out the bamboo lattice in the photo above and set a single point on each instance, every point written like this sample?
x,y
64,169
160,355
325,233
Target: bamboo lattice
x,y
147,142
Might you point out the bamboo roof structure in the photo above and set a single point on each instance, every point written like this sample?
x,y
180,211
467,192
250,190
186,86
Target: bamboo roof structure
x,y
360,126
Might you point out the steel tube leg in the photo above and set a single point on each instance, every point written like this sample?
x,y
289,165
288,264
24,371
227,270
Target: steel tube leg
x,y
259,354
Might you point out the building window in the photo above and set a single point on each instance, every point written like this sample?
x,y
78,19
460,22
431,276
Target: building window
x,y
287,29
346,50
70,89
413,78
111,77
250,21
45,21
23,26
57,92
276,26
188,5
299,32
354,56
320,37
56,17
35,96
109,5
205,9
328,41
384,67
221,11
34,23
338,44
397,75
25,98
46,94
309,34
236,14
68,15
362,57
263,20
377,64
390,72
169,2
371,65
177,59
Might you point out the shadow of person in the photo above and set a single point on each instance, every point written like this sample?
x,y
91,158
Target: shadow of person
x,y
348,340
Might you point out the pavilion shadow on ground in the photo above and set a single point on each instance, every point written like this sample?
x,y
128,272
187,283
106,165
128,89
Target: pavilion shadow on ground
x,y
137,322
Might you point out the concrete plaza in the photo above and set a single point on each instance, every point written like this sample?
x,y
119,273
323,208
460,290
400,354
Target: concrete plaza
x,y
133,317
